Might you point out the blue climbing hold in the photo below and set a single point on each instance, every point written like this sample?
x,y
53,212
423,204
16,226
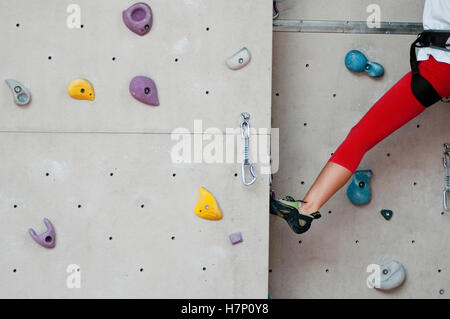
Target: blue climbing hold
x,y
358,192
356,61
374,69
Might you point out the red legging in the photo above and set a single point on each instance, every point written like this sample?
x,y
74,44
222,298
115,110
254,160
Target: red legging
x,y
396,108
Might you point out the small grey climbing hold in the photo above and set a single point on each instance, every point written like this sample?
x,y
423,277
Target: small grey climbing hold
x,y
239,60
21,95
392,275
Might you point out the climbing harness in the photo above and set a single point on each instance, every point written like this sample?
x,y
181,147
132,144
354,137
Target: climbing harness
x,y
275,9
424,92
245,133
446,161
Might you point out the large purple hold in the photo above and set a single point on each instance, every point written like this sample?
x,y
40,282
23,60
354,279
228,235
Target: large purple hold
x,y
144,90
138,18
46,239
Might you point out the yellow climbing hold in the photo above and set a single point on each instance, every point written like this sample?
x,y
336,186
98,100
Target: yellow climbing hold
x,y
81,89
207,206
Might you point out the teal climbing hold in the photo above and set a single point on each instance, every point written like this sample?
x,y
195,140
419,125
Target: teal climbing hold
x,y
358,192
387,213
356,61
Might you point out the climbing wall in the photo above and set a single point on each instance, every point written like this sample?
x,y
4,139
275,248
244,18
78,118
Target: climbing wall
x,y
316,101
102,171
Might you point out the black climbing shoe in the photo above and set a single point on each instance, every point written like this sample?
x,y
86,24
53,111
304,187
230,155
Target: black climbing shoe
x,y
288,209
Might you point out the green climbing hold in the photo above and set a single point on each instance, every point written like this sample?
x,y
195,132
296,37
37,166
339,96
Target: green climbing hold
x,y
387,214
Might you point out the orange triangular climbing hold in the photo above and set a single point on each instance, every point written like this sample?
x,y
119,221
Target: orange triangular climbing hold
x,y
207,206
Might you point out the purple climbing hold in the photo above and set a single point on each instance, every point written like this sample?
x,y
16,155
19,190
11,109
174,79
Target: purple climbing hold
x,y
46,239
138,18
144,90
236,238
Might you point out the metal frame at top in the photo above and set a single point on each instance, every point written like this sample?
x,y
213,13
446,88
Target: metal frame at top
x,y
352,27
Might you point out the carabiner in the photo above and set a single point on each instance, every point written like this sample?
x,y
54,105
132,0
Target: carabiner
x,y
252,172
245,133
446,162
